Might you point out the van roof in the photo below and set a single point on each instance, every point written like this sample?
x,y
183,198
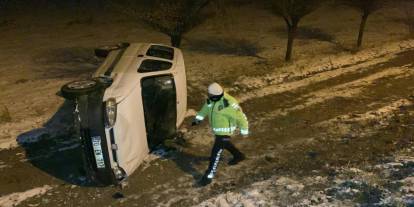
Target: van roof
x,y
122,65
118,60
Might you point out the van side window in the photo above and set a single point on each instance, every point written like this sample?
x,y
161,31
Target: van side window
x,y
161,52
150,65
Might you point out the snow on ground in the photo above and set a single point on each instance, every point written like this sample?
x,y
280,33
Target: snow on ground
x,y
66,54
338,64
15,199
376,119
291,190
45,61
154,155
279,87
349,89
376,56
388,183
351,187
3,166
29,113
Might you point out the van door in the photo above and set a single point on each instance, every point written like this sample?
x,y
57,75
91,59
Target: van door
x,y
159,101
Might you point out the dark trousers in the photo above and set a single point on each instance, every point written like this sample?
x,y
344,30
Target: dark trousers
x,y
220,143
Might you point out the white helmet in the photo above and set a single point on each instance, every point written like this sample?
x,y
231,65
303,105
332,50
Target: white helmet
x,y
215,89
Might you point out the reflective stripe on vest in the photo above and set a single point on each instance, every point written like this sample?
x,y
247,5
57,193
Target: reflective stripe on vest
x,y
235,106
227,129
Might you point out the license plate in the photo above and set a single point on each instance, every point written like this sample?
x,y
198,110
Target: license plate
x,y
97,149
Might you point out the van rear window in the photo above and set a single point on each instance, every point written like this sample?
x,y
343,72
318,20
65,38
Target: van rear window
x,y
161,52
150,65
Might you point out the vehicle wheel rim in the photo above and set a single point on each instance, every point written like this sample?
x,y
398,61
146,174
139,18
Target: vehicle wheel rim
x,y
81,84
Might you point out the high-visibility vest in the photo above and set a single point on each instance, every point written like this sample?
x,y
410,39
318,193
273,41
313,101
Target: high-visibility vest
x,y
225,116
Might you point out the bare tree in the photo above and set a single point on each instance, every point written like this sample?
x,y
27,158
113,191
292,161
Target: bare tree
x,y
292,11
3,3
366,7
173,18
407,6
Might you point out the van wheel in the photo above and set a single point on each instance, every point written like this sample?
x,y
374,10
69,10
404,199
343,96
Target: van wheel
x,y
79,88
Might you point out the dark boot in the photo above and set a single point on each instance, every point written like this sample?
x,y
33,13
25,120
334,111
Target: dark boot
x,y
237,155
237,159
205,181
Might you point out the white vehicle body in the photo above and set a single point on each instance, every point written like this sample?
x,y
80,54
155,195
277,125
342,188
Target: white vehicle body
x,y
144,80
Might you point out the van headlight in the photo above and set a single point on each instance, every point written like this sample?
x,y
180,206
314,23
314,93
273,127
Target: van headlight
x,y
110,108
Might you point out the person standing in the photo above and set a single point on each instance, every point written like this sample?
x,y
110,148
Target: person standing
x,y
225,116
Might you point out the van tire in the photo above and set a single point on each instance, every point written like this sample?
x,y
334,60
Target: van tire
x,y
79,88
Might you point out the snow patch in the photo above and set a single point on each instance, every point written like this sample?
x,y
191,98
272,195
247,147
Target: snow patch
x,y
4,166
15,199
376,119
350,187
408,185
155,155
263,193
349,89
329,65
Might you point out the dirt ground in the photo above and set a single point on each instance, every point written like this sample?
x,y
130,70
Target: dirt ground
x,y
333,128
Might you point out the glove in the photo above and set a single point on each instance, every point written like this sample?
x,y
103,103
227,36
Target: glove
x,y
195,122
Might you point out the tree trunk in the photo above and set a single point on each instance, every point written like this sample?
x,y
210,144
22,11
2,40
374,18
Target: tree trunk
x,y
409,18
362,29
177,33
220,8
176,40
292,30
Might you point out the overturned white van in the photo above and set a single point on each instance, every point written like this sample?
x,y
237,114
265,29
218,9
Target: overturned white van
x,y
135,100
